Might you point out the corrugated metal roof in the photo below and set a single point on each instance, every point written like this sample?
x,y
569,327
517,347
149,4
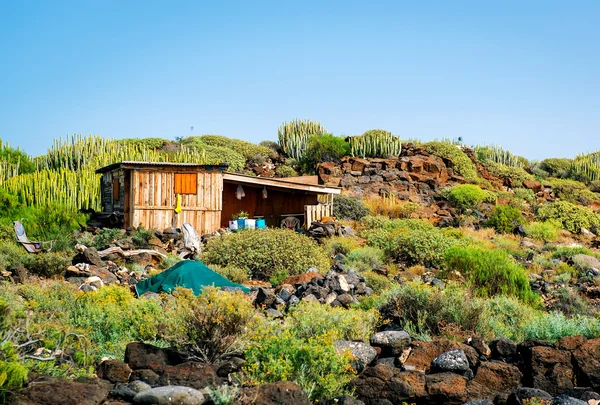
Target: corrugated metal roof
x,y
132,164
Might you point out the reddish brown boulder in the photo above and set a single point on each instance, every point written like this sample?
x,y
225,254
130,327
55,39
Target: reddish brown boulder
x,y
446,388
494,378
587,360
570,342
145,356
329,173
191,374
551,369
114,371
533,185
423,353
52,391
279,393
386,382
358,164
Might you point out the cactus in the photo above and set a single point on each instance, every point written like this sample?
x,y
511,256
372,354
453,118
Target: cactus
x,y
375,143
497,154
586,167
66,175
293,136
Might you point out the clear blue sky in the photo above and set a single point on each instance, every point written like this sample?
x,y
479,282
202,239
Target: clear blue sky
x,y
522,74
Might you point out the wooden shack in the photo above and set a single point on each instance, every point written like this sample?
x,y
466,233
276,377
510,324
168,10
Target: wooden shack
x,y
161,195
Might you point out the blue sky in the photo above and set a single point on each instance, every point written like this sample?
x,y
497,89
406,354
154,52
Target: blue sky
x,y
522,74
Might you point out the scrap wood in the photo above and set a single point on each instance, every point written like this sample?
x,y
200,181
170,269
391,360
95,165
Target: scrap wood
x,y
128,253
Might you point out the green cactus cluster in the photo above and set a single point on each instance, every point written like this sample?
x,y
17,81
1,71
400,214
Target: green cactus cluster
x,y
497,154
66,175
375,143
586,168
293,136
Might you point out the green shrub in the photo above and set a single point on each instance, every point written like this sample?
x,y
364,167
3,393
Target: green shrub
x,y
223,394
422,309
323,148
525,194
505,218
544,231
313,362
169,261
508,317
286,171
216,154
378,238
556,167
236,274
340,244
52,222
572,217
555,325
377,282
516,174
569,302
141,237
12,255
426,248
13,373
266,252
573,191
568,252
364,259
107,236
274,146
145,143
213,324
504,317
86,326
370,222
49,264
490,272
381,222
247,149
466,196
346,207
312,319
461,163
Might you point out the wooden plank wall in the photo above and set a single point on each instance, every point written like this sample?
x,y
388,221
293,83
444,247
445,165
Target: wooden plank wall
x,y
154,201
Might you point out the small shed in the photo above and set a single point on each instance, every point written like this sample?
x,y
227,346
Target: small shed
x,y
161,195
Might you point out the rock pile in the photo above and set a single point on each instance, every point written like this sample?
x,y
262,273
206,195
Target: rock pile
x,y
337,288
392,370
442,371
151,375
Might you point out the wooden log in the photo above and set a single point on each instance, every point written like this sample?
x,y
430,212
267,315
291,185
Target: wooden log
x,y
128,253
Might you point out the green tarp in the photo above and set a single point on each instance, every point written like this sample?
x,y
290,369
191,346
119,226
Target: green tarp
x,y
187,274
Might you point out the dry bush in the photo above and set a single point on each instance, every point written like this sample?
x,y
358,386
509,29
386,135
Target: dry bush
x,y
390,206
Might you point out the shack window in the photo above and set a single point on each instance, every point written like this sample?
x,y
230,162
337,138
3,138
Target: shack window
x,y
186,183
116,186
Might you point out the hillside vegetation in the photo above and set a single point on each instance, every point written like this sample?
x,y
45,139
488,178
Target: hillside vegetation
x,y
495,247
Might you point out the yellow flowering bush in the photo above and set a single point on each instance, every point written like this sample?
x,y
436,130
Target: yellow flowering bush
x,y
277,354
211,325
